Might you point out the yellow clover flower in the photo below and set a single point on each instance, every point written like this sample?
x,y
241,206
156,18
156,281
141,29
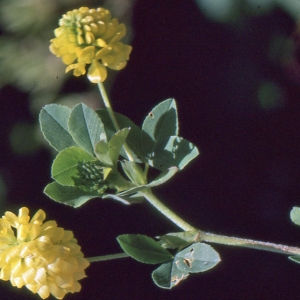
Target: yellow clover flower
x,y
90,36
43,257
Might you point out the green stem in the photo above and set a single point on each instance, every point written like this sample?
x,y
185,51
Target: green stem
x,y
233,241
166,211
113,117
107,257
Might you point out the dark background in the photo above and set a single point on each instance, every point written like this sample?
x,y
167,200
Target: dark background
x,y
245,182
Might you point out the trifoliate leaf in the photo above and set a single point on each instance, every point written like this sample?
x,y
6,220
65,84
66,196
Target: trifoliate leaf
x,y
143,248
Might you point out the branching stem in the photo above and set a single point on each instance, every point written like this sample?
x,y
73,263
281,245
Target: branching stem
x,y
240,242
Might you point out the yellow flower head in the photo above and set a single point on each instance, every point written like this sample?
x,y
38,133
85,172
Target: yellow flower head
x,y
43,257
90,36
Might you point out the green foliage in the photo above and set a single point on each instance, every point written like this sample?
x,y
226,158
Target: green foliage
x,y
64,167
295,215
162,178
168,275
143,249
295,258
68,195
85,127
172,151
198,257
179,240
133,139
108,153
161,123
88,161
54,125
162,146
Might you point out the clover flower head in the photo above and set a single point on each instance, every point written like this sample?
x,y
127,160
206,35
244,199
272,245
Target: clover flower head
x,y
41,256
90,36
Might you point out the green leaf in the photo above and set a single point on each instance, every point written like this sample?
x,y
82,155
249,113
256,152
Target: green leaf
x,y
134,172
172,151
295,258
160,123
86,127
198,257
115,144
125,200
162,178
179,239
117,181
168,275
68,195
134,137
143,248
54,125
102,153
64,166
295,215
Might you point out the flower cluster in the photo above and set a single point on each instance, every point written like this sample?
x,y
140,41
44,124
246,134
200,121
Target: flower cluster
x,y
90,36
43,257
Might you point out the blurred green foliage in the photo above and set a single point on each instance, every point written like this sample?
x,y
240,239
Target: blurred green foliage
x,y
231,11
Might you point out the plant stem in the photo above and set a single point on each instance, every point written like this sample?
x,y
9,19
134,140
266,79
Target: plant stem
x,y
166,211
107,257
113,118
233,241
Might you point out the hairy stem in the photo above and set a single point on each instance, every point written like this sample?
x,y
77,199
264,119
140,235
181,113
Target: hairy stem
x,y
247,243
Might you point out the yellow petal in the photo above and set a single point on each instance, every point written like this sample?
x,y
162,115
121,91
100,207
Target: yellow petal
x,y
24,215
86,55
69,58
22,232
68,235
33,287
56,291
101,43
44,292
29,275
97,72
18,282
79,69
38,217
41,276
